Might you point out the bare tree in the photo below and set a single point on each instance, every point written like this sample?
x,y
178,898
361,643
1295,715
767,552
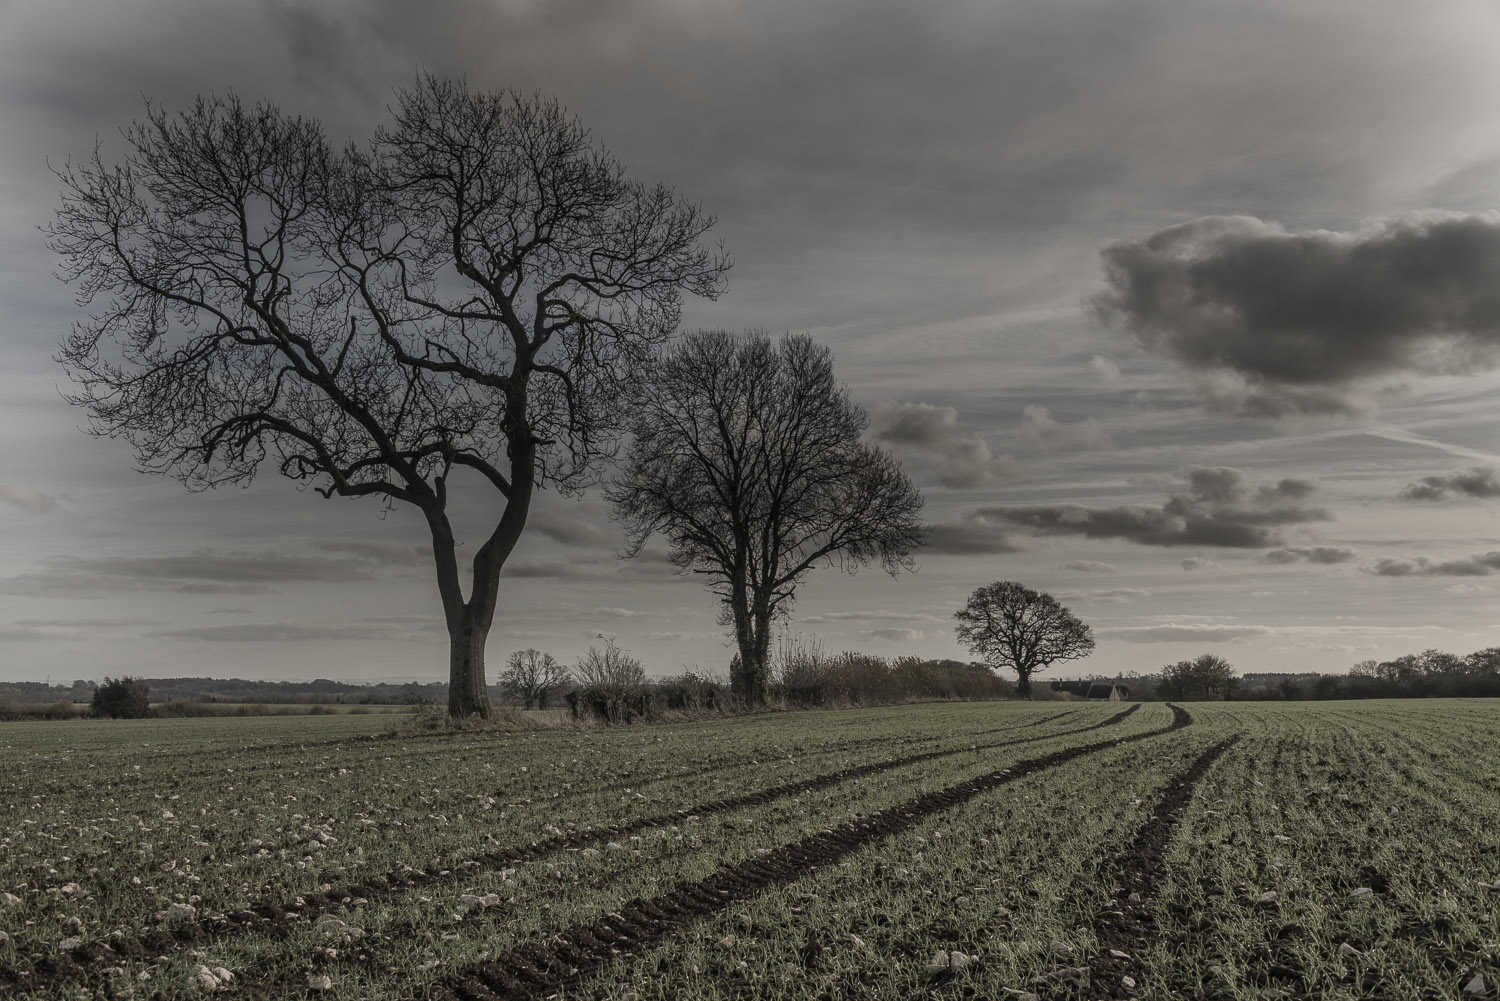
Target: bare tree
x,y
1011,626
469,292
747,455
610,669
530,676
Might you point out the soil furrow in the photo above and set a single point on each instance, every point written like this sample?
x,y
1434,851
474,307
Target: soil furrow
x,y
504,979
1130,925
266,915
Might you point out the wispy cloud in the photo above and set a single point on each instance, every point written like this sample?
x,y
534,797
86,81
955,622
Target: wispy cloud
x,y
31,501
1479,565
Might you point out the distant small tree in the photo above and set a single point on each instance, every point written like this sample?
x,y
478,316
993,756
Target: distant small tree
x,y
122,698
613,682
610,669
1208,677
530,676
1013,627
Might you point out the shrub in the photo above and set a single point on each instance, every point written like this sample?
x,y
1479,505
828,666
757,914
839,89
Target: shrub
x,y
122,698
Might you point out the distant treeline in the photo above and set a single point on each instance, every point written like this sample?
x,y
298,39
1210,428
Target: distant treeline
x,y
1428,675
212,690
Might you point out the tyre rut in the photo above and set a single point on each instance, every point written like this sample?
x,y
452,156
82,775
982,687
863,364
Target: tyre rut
x,y
1130,925
277,915
540,969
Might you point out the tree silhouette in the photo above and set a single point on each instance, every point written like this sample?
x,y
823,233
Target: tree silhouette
x,y
746,454
468,292
1011,626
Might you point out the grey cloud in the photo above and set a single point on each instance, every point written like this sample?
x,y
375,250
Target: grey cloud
x,y
1090,566
31,501
1301,322
1039,427
1198,563
1312,554
879,615
1182,633
896,635
1118,595
383,553
930,440
1216,508
1478,565
978,534
198,573
568,530
394,629
1480,481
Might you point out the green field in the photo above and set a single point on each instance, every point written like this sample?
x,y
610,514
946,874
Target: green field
x,y
1239,850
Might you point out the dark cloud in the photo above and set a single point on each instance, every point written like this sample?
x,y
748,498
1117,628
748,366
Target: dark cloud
x,y
930,440
1286,322
1215,507
1480,481
978,534
1479,565
1312,554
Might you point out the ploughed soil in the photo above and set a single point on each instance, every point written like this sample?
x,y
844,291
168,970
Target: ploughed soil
x,y
539,969
271,915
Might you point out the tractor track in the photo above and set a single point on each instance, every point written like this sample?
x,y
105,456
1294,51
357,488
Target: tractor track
x,y
539,969
275,916
1129,925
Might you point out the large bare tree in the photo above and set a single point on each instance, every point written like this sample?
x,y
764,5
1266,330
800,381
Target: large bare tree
x,y
1012,626
747,455
466,292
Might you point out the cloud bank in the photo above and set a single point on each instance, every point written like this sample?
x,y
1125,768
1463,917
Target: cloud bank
x,y
1477,482
1283,323
1215,506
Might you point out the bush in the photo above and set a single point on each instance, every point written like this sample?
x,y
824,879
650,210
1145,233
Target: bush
x,y
122,698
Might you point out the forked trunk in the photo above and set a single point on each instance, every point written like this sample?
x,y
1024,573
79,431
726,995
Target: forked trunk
x,y
752,682
467,692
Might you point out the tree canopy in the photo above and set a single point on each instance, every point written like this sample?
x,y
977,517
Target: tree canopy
x,y
1014,627
747,455
469,292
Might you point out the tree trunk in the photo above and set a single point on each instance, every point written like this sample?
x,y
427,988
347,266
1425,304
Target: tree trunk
x,y
467,693
753,683
1023,683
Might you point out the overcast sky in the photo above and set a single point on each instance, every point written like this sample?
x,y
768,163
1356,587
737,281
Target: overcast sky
x,y
1186,312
